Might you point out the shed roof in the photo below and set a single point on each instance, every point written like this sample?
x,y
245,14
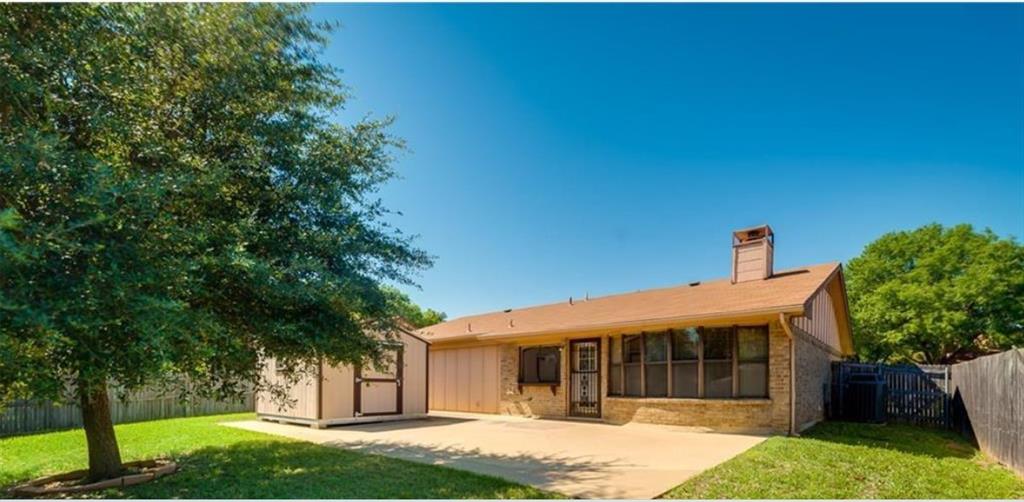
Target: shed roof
x,y
787,291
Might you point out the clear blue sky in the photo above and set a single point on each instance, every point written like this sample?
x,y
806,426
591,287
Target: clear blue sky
x,y
557,150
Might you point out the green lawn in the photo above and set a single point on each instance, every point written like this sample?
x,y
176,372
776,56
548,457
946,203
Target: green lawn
x,y
224,462
845,460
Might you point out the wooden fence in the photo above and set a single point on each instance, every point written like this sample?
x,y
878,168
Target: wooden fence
x,y
27,416
991,389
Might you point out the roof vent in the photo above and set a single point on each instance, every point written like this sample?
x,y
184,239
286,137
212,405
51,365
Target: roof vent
x,y
507,310
695,283
753,252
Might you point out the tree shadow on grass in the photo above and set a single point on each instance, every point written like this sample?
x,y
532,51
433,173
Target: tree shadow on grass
x,y
915,440
286,469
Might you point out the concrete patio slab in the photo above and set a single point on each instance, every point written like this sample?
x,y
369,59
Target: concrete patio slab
x,y
578,459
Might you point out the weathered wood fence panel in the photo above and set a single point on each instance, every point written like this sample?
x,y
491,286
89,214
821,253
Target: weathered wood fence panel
x,y
27,416
992,391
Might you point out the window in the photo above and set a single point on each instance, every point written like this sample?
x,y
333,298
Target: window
x,y
685,362
632,365
718,362
753,361
656,364
690,363
615,367
540,365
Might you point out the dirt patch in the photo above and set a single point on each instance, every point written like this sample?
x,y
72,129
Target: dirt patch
x,y
70,483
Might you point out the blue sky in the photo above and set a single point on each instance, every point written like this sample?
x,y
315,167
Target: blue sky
x,y
556,150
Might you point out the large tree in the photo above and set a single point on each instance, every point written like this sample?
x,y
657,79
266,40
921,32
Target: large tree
x,y
412,314
937,295
177,202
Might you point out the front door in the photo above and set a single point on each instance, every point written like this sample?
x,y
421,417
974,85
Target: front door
x,y
585,378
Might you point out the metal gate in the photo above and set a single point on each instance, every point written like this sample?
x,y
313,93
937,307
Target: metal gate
x,y
585,378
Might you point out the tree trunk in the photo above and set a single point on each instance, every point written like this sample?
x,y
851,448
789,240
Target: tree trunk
x,y
104,455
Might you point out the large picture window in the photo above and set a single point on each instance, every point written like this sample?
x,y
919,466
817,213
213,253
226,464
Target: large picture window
x,y
615,366
718,362
753,364
685,362
656,364
632,349
540,365
691,363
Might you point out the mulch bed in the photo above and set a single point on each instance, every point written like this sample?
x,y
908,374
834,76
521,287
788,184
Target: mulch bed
x,y
71,483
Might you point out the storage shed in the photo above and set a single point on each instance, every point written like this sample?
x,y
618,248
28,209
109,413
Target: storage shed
x,y
346,394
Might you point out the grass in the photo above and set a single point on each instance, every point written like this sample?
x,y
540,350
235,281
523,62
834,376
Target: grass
x,y
224,462
845,460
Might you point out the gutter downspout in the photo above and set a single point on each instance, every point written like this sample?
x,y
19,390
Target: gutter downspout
x,y
784,320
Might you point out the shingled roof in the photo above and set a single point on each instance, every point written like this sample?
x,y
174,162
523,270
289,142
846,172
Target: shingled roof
x,y
786,291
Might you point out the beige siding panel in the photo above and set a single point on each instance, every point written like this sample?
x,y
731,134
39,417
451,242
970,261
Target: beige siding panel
x,y
437,380
476,384
464,375
387,370
379,397
752,261
301,401
465,379
414,383
451,370
338,392
820,320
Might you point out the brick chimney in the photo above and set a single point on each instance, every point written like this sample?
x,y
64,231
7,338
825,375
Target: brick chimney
x,y
752,250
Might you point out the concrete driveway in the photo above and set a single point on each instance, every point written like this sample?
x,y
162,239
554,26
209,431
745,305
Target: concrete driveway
x,y
578,459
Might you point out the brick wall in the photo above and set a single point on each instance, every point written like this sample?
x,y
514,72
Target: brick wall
x,y
814,368
778,377
754,415
530,400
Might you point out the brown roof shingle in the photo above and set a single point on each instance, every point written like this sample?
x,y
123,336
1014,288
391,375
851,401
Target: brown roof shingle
x,y
785,291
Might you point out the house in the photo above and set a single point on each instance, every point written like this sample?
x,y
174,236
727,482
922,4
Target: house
x,y
751,352
346,394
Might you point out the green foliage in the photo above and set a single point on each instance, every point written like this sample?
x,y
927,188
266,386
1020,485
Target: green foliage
x,y
411,313
836,460
935,295
175,202
224,462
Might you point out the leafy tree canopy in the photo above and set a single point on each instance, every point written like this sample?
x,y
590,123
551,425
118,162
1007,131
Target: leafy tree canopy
x,y
416,316
937,295
176,202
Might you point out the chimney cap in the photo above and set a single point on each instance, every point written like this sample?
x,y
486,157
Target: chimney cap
x,y
752,234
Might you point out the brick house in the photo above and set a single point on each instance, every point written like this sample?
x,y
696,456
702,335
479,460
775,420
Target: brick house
x,y
750,352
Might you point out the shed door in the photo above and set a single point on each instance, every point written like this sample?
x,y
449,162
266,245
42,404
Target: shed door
x,y
464,379
378,391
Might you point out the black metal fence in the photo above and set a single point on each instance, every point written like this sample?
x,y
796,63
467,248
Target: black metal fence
x,y
913,394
